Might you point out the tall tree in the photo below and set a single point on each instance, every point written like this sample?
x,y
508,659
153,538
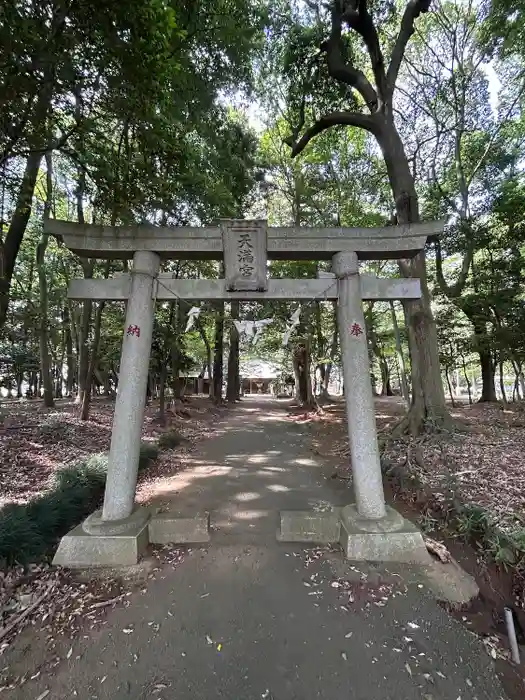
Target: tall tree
x,y
327,86
460,149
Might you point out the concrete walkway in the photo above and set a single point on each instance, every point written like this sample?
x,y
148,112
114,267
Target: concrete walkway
x,y
247,618
256,465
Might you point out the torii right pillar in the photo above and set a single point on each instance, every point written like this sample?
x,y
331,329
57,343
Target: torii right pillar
x,y
370,529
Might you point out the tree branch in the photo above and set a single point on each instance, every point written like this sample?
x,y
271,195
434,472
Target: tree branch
x,y
454,290
412,12
361,121
355,14
339,69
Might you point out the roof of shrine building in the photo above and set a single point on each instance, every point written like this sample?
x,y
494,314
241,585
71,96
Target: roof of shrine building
x,y
249,369
295,242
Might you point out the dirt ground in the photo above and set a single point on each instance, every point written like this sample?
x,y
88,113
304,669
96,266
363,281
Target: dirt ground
x,y
482,461
34,444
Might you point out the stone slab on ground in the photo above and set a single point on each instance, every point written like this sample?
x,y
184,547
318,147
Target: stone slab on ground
x,y
390,539
171,528
309,526
78,549
449,582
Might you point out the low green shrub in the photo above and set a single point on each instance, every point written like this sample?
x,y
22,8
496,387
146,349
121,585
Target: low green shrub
x,y
170,439
54,429
29,532
149,451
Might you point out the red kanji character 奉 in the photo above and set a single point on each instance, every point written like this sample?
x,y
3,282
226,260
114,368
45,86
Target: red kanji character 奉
x,y
356,330
133,330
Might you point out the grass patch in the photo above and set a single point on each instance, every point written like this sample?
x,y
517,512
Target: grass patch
x,y
149,451
29,532
170,439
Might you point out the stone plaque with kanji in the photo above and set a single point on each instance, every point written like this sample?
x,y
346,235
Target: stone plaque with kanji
x,y
245,255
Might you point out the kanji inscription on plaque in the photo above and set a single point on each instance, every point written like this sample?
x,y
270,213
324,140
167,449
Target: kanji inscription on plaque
x,y
245,255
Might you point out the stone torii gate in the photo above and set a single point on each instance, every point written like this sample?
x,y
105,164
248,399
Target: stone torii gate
x,y
120,531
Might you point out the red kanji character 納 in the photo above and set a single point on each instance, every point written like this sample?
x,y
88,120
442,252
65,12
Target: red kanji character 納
x,y
133,330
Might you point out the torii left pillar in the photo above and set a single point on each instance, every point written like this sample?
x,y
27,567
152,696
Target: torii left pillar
x,y
117,534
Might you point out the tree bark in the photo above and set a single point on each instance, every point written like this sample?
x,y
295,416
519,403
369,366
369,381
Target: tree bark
x,y
400,357
68,340
202,333
90,373
467,380
11,245
87,305
233,387
450,388
13,240
428,396
502,379
303,382
176,349
45,360
162,392
218,353
488,383
333,351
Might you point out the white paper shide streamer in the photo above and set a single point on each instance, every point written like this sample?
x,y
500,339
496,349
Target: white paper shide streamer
x,y
252,329
193,315
293,321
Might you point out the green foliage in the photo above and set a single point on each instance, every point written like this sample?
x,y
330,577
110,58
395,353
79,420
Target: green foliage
x,y
29,532
472,521
149,452
170,439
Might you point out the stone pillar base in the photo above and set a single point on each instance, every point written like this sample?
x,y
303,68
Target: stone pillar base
x,y
391,538
96,543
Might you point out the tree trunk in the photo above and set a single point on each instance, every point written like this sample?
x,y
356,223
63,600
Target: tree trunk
x,y
162,393
68,340
178,314
86,397
333,351
45,360
400,357
386,389
11,245
202,333
303,382
516,392
233,389
502,379
488,384
450,389
428,396
83,349
218,353
467,380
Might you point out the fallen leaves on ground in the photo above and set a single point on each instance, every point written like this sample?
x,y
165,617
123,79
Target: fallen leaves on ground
x,y
75,606
480,462
36,442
